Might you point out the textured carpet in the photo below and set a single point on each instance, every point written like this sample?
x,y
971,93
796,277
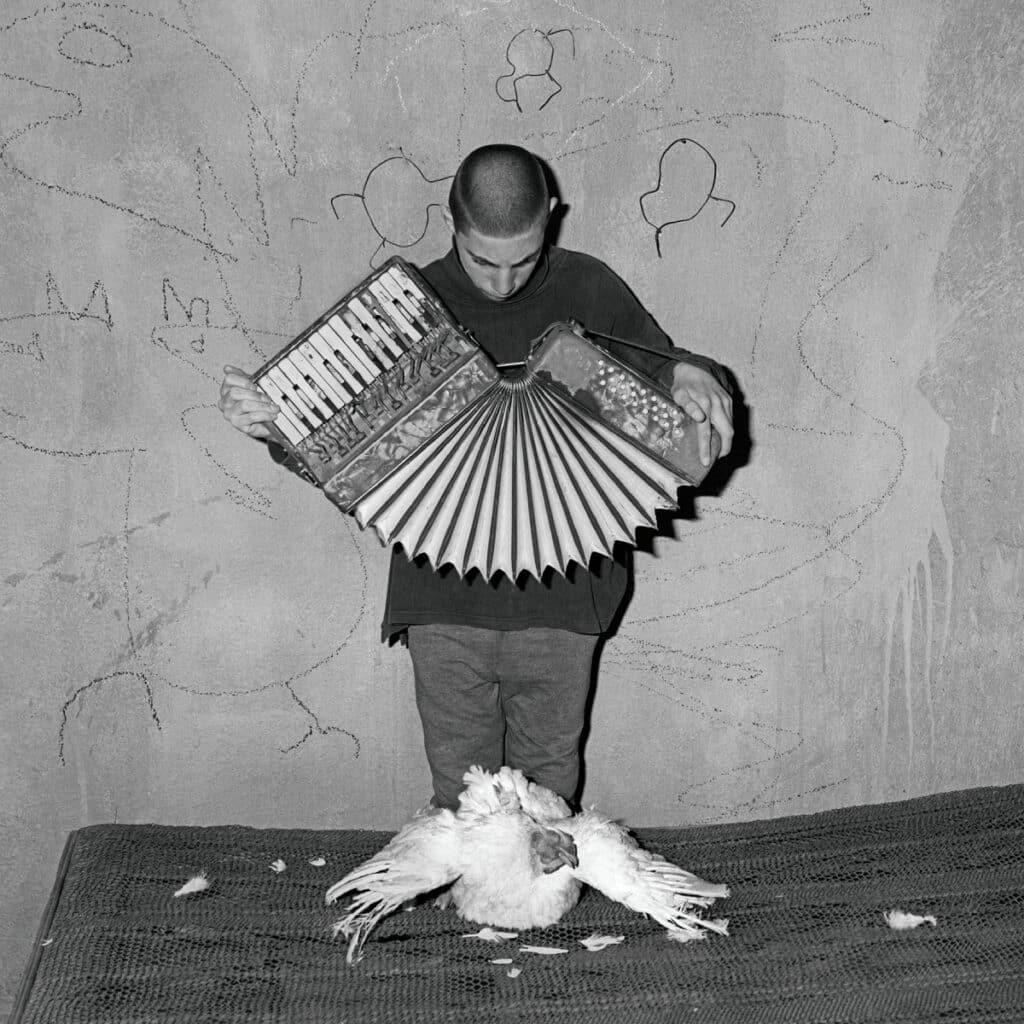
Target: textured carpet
x,y
808,939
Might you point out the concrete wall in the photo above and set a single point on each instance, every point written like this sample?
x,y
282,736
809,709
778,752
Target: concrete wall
x,y
191,635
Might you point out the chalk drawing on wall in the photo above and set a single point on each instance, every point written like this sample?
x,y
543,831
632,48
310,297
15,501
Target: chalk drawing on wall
x,y
884,119
193,317
797,548
765,751
397,198
215,213
230,213
95,309
313,640
239,490
186,326
89,44
97,305
135,634
531,55
142,662
57,366
905,477
686,179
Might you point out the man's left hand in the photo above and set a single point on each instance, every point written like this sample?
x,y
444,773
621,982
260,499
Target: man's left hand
x,y
699,394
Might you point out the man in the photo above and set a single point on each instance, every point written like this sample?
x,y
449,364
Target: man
x,y
503,668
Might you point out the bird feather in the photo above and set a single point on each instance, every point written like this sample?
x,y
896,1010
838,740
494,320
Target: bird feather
x,y
422,857
613,862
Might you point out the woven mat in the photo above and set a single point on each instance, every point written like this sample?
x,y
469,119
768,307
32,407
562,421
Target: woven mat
x,y
808,940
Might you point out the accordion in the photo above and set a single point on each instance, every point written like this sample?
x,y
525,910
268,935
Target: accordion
x,y
406,424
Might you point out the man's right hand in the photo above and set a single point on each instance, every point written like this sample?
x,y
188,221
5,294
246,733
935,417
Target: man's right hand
x,y
244,406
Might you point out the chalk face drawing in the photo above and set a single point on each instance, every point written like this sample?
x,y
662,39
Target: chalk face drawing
x,y
397,198
687,176
530,55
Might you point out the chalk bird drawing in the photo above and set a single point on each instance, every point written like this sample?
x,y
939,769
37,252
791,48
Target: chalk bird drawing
x,y
514,856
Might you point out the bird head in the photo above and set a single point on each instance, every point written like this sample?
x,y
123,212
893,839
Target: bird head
x,y
553,849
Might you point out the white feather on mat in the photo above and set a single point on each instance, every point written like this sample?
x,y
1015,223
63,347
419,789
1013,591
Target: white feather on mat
x,y
197,883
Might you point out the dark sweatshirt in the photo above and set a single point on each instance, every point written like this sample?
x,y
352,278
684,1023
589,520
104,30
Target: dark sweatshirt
x,y
566,285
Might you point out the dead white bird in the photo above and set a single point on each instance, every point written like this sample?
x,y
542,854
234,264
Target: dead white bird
x,y
513,856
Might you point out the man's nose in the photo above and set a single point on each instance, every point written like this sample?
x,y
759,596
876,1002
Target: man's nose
x,y
504,283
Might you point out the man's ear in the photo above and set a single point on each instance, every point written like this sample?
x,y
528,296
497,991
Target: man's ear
x,y
446,213
551,221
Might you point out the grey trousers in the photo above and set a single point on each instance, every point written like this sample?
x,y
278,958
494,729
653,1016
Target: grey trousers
x,y
494,697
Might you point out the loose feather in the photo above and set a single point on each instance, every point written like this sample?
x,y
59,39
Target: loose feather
x,y
197,883
901,920
595,943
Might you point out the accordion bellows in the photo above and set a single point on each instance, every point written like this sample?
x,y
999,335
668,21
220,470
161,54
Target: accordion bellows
x,y
394,410
523,480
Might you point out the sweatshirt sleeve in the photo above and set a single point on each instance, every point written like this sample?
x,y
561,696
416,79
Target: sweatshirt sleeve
x,y
627,318
285,458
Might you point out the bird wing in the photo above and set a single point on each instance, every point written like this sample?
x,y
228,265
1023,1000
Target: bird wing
x,y
482,794
422,857
509,790
613,862
537,801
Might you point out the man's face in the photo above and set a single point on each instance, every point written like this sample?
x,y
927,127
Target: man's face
x,y
500,267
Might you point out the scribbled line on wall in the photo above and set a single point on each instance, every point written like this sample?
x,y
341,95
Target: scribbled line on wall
x,y
815,31
96,308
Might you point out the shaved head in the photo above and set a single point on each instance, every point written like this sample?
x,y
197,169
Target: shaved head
x,y
499,191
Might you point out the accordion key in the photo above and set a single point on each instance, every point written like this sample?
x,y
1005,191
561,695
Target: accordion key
x,y
362,387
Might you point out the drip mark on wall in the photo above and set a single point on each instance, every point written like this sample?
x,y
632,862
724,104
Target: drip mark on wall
x,y
126,566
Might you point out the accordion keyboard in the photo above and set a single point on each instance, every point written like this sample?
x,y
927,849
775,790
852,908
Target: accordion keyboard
x,y
347,351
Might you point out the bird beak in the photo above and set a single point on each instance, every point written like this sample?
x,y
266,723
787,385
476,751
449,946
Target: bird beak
x,y
554,849
568,856
565,851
